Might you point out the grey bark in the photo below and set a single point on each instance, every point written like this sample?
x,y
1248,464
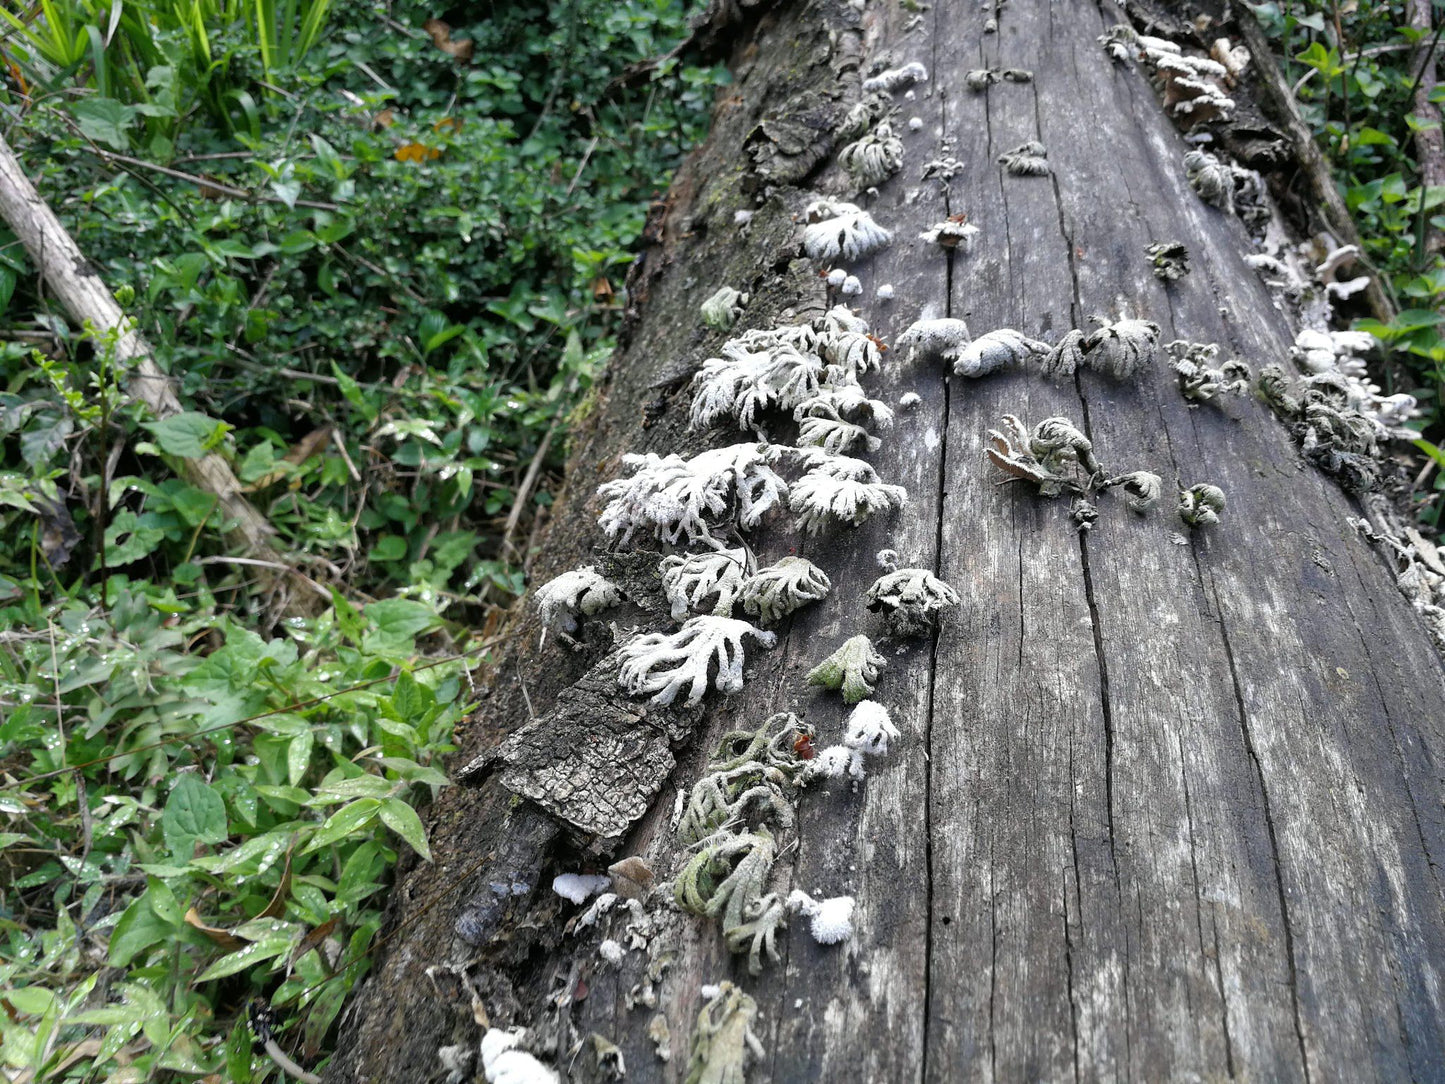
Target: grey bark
x,y
1429,138
1166,805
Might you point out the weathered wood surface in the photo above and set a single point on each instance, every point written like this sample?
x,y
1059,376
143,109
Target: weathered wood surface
x,y
1166,808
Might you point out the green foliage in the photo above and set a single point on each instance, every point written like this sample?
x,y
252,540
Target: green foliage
x,y
382,278
1350,64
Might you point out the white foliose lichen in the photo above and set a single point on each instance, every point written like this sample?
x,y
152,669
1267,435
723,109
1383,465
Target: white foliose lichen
x,y
868,731
611,951
503,1062
663,664
838,230
707,582
912,600
672,497
576,887
952,233
751,377
897,78
1339,355
839,489
943,339
722,310
873,158
581,592
831,920
1192,86
773,592
992,351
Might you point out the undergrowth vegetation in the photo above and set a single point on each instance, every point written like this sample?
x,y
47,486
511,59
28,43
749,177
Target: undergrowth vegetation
x,y
1354,66
382,256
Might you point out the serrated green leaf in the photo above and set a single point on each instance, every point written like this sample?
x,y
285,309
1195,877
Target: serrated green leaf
x,y
188,434
193,812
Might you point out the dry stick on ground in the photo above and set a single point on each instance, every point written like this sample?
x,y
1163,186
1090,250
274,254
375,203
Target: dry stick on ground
x,y
74,282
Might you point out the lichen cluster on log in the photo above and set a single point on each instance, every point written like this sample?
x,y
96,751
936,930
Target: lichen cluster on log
x,y
1165,804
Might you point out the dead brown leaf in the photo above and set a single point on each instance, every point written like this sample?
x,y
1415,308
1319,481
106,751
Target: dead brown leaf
x,y
441,36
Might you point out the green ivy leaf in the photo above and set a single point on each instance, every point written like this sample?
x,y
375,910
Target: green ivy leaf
x,y
105,120
193,812
188,434
396,623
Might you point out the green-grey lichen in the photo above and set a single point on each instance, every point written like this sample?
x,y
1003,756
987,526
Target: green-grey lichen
x,y
772,593
980,79
912,600
1049,457
1200,505
853,669
1200,379
873,158
722,310
1026,160
723,1042
1142,489
992,351
1211,178
1323,413
1120,348
728,872
1170,260
1083,513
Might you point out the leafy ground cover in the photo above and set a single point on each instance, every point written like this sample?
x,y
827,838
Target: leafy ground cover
x,y
382,255
1355,66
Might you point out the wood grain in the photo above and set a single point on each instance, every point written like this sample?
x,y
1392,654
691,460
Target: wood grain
x,y
1167,806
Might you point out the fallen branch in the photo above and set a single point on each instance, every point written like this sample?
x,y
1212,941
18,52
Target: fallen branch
x,y
72,278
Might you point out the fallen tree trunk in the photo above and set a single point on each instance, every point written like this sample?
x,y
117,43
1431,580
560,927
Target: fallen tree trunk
x,y
1165,804
86,299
